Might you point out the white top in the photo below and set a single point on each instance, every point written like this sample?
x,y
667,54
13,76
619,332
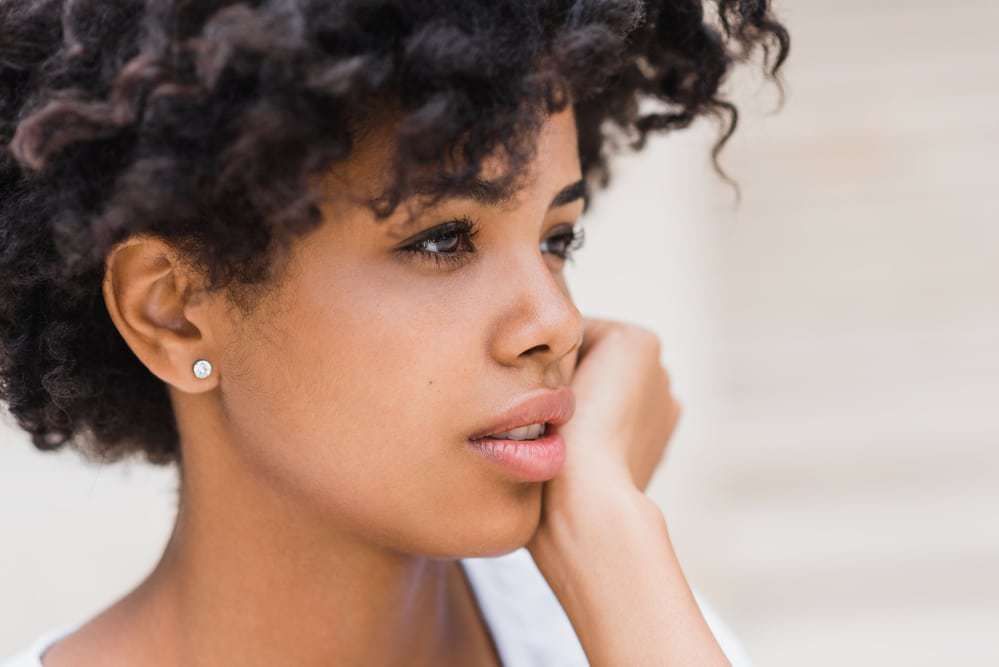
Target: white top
x,y
525,618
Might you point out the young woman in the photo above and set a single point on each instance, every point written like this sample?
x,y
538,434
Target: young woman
x,y
311,254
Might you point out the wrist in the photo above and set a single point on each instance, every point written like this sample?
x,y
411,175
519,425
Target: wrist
x,y
603,500
594,524
612,566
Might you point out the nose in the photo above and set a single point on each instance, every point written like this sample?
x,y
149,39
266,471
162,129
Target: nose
x,y
540,324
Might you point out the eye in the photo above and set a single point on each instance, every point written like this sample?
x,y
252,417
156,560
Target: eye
x,y
449,243
564,243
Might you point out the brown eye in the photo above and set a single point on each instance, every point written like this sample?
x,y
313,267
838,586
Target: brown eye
x,y
564,243
441,243
449,243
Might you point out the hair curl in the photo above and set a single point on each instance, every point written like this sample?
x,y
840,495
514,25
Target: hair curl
x,y
202,122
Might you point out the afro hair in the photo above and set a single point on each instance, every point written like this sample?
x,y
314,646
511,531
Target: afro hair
x,y
202,123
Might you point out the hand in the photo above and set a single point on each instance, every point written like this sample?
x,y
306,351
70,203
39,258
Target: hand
x,y
625,411
624,417
602,545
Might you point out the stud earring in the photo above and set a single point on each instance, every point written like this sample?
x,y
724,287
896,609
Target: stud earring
x,y
202,368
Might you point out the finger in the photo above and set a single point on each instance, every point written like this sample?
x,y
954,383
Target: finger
x,y
594,329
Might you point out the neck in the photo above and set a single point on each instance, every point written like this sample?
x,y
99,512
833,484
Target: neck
x,y
248,577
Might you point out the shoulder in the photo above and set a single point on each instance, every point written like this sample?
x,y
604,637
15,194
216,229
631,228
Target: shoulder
x,y
528,622
31,655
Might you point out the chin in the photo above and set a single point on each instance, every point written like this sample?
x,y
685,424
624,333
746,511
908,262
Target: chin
x,y
505,523
511,523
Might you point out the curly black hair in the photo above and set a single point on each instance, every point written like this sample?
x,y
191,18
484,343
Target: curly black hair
x,y
203,122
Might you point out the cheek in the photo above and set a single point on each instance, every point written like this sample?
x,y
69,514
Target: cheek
x,y
334,383
358,404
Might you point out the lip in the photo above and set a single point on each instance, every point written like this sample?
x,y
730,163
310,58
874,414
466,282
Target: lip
x,y
529,460
524,460
554,406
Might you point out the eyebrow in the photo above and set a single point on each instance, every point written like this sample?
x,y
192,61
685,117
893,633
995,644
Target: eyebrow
x,y
571,193
489,194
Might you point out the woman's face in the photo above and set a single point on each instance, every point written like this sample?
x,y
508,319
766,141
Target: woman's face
x,y
355,386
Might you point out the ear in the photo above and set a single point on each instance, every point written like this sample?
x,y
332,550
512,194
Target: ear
x,y
155,304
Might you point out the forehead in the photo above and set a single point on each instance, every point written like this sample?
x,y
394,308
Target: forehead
x,y
554,174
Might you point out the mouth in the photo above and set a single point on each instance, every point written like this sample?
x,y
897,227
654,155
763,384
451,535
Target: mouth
x,y
528,460
531,416
529,432
524,442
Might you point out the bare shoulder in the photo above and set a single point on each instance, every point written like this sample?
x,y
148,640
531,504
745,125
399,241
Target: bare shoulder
x,y
111,638
93,643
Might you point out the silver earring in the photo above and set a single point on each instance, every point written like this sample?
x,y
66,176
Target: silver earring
x,y
202,368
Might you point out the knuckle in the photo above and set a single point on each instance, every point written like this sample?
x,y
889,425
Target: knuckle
x,y
638,332
649,341
665,377
637,337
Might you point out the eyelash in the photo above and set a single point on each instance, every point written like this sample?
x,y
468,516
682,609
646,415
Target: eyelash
x,y
466,228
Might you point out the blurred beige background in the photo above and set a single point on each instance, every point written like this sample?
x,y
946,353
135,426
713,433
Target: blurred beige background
x,y
833,487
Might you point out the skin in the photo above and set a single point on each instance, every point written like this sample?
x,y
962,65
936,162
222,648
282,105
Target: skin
x,y
328,489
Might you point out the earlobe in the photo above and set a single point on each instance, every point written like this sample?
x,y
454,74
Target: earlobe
x,y
147,293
